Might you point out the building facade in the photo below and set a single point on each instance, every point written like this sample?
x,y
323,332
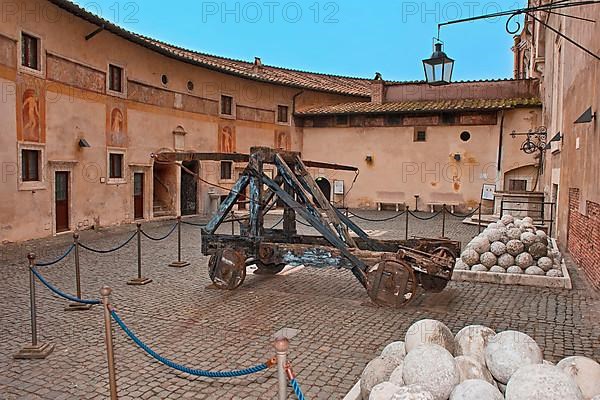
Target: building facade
x,y
87,104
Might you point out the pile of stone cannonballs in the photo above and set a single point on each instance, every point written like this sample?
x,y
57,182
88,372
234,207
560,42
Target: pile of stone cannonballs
x,y
476,364
512,246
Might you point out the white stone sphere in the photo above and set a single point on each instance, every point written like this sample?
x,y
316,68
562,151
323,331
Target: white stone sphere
x,y
528,220
492,225
396,376
514,233
506,260
377,370
528,227
524,260
476,389
515,269
429,331
469,368
498,248
528,238
542,382
412,392
545,263
535,270
472,340
507,219
383,391
497,269
508,351
395,351
596,397
518,222
538,250
585,372
479,268
460,265
470,257
432,367
480,244
493,234
488,259
554,273
515,247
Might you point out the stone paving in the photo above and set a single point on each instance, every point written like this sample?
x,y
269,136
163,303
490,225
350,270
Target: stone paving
x,y
183,318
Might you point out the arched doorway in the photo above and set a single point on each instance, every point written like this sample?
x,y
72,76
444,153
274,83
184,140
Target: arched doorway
x,y
325,187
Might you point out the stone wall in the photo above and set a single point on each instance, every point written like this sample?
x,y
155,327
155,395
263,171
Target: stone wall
x,y
584,236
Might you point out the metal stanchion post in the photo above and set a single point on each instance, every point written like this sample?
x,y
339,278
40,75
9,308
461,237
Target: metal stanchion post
x,y
479,221
282,345
139,281
406,222
36,350
444,221
179,263
108,337
77,306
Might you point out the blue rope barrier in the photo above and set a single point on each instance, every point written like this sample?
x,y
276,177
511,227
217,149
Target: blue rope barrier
x,y
110,250
178,367
160,238
47,264
62,294
297,389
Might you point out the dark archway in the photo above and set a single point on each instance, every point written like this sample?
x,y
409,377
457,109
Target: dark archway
x,y
189,188
325,187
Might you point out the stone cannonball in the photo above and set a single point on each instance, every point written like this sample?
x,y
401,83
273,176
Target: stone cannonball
x,y
498,269
542,382
488,259
515,269
506,260
396,376
528,238
493,234
383,391
514,233
476,389
535,270
545,263
492,225
469,368
412,392
498,248
596,397
460,265
470,257
479,268
518,222
395,351
585,372
429,331
507,219
480,244
554,273
432,367
524,260
472,340
508,351
528,220
538,250
515,247
377,371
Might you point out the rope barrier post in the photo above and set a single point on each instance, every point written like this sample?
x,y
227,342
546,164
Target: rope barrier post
x,y
77,306
108,337
35,351
139,280
479,221
282,345
179,263
444,221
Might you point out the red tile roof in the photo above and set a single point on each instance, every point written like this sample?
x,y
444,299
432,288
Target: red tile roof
x,y
421,106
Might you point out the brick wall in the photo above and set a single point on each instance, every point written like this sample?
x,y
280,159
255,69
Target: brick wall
x,y
584,236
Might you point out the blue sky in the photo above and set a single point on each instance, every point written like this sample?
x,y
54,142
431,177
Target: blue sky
x,y
349,37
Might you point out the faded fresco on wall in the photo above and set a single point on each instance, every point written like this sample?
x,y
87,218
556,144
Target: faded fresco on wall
x,y
283,140
31,110
226,138
116,125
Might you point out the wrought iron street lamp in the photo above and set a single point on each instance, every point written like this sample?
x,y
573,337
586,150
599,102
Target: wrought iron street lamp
x,y
438,68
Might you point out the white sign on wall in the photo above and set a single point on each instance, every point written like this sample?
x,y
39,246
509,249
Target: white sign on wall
x,y
487,193
338,187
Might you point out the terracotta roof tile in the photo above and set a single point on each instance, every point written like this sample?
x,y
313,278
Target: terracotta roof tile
x,y
420,106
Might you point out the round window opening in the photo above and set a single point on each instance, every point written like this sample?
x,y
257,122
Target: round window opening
x,y
465,136
190,86
164,79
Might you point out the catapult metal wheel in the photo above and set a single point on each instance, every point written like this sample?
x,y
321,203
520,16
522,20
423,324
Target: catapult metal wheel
x,y
268,269
227,269
391,283
445,258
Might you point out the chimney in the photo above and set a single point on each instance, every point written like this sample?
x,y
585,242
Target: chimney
x,y
377,89
257,65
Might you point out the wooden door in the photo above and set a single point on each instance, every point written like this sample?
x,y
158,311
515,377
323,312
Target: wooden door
x,y
61,196
138,196
189,189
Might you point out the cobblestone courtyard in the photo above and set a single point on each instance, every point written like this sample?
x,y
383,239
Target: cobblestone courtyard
x,y
183,318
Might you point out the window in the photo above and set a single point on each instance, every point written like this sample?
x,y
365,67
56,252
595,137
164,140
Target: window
x,y
164,79
226,169
517,185
30,165
226,105
115,166
420,135
447,118
115,78
465,136
30,51
282,114
341,120
190,86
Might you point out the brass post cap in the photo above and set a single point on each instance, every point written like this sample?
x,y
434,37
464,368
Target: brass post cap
x,y
105,291
281,344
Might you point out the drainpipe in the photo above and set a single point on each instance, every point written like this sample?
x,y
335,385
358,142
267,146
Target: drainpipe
x,y
294,101
500,141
